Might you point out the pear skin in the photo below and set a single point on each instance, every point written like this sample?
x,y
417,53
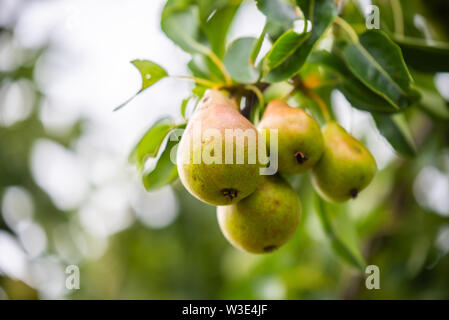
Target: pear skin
x,y
265,220
300,141
345,168
218,182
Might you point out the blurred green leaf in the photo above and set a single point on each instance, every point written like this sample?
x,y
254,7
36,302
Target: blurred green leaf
x,y
180,22
280,16
423,56
284,47
378,63
323,12
237,60
434,103
149,145
257,46
164,172
216,26
343,242
184,106
396,130
277,10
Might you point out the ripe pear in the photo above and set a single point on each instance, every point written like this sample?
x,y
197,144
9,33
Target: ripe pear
x,y
300,142
345,168
202,156
265,220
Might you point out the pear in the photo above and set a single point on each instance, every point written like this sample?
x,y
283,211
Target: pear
x,y
265,220
300,142
208,163
345,168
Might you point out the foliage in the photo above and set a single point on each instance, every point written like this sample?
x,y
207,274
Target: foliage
x,y
388,74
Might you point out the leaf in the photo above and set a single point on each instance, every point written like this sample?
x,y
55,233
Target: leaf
x,y
216,26
323,12
164,172
280,17
434,103
184,106
276,10
378,63
284,47
237,60
150,143
359,95
423,56
344,244
150,73
257,46
395,129
180,22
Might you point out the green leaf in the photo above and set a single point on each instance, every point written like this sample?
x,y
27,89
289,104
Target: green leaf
x,y
257,46
396,130
323,12
434,103
150,143
284,47
280,17
184,106
277,10
150,73
359,95
237,60
377,62
217,25
344,239
164,172
180,22
422,56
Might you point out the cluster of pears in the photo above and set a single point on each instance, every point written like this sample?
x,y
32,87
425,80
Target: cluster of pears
x,y
259,213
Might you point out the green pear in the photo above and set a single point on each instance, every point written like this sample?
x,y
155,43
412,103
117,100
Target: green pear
x,y
345,168
208,162
265,220
300,142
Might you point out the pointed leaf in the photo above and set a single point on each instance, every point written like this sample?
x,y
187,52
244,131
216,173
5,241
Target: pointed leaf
x,y
323,12
284,47
359,95
150,72
150,143
164,172
377,62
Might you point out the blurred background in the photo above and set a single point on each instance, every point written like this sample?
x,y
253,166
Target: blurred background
x,y
68,195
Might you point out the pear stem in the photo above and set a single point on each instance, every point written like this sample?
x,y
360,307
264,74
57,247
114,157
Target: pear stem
x,y
220,66
347,27
197,80
398,17
312,95
257,92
